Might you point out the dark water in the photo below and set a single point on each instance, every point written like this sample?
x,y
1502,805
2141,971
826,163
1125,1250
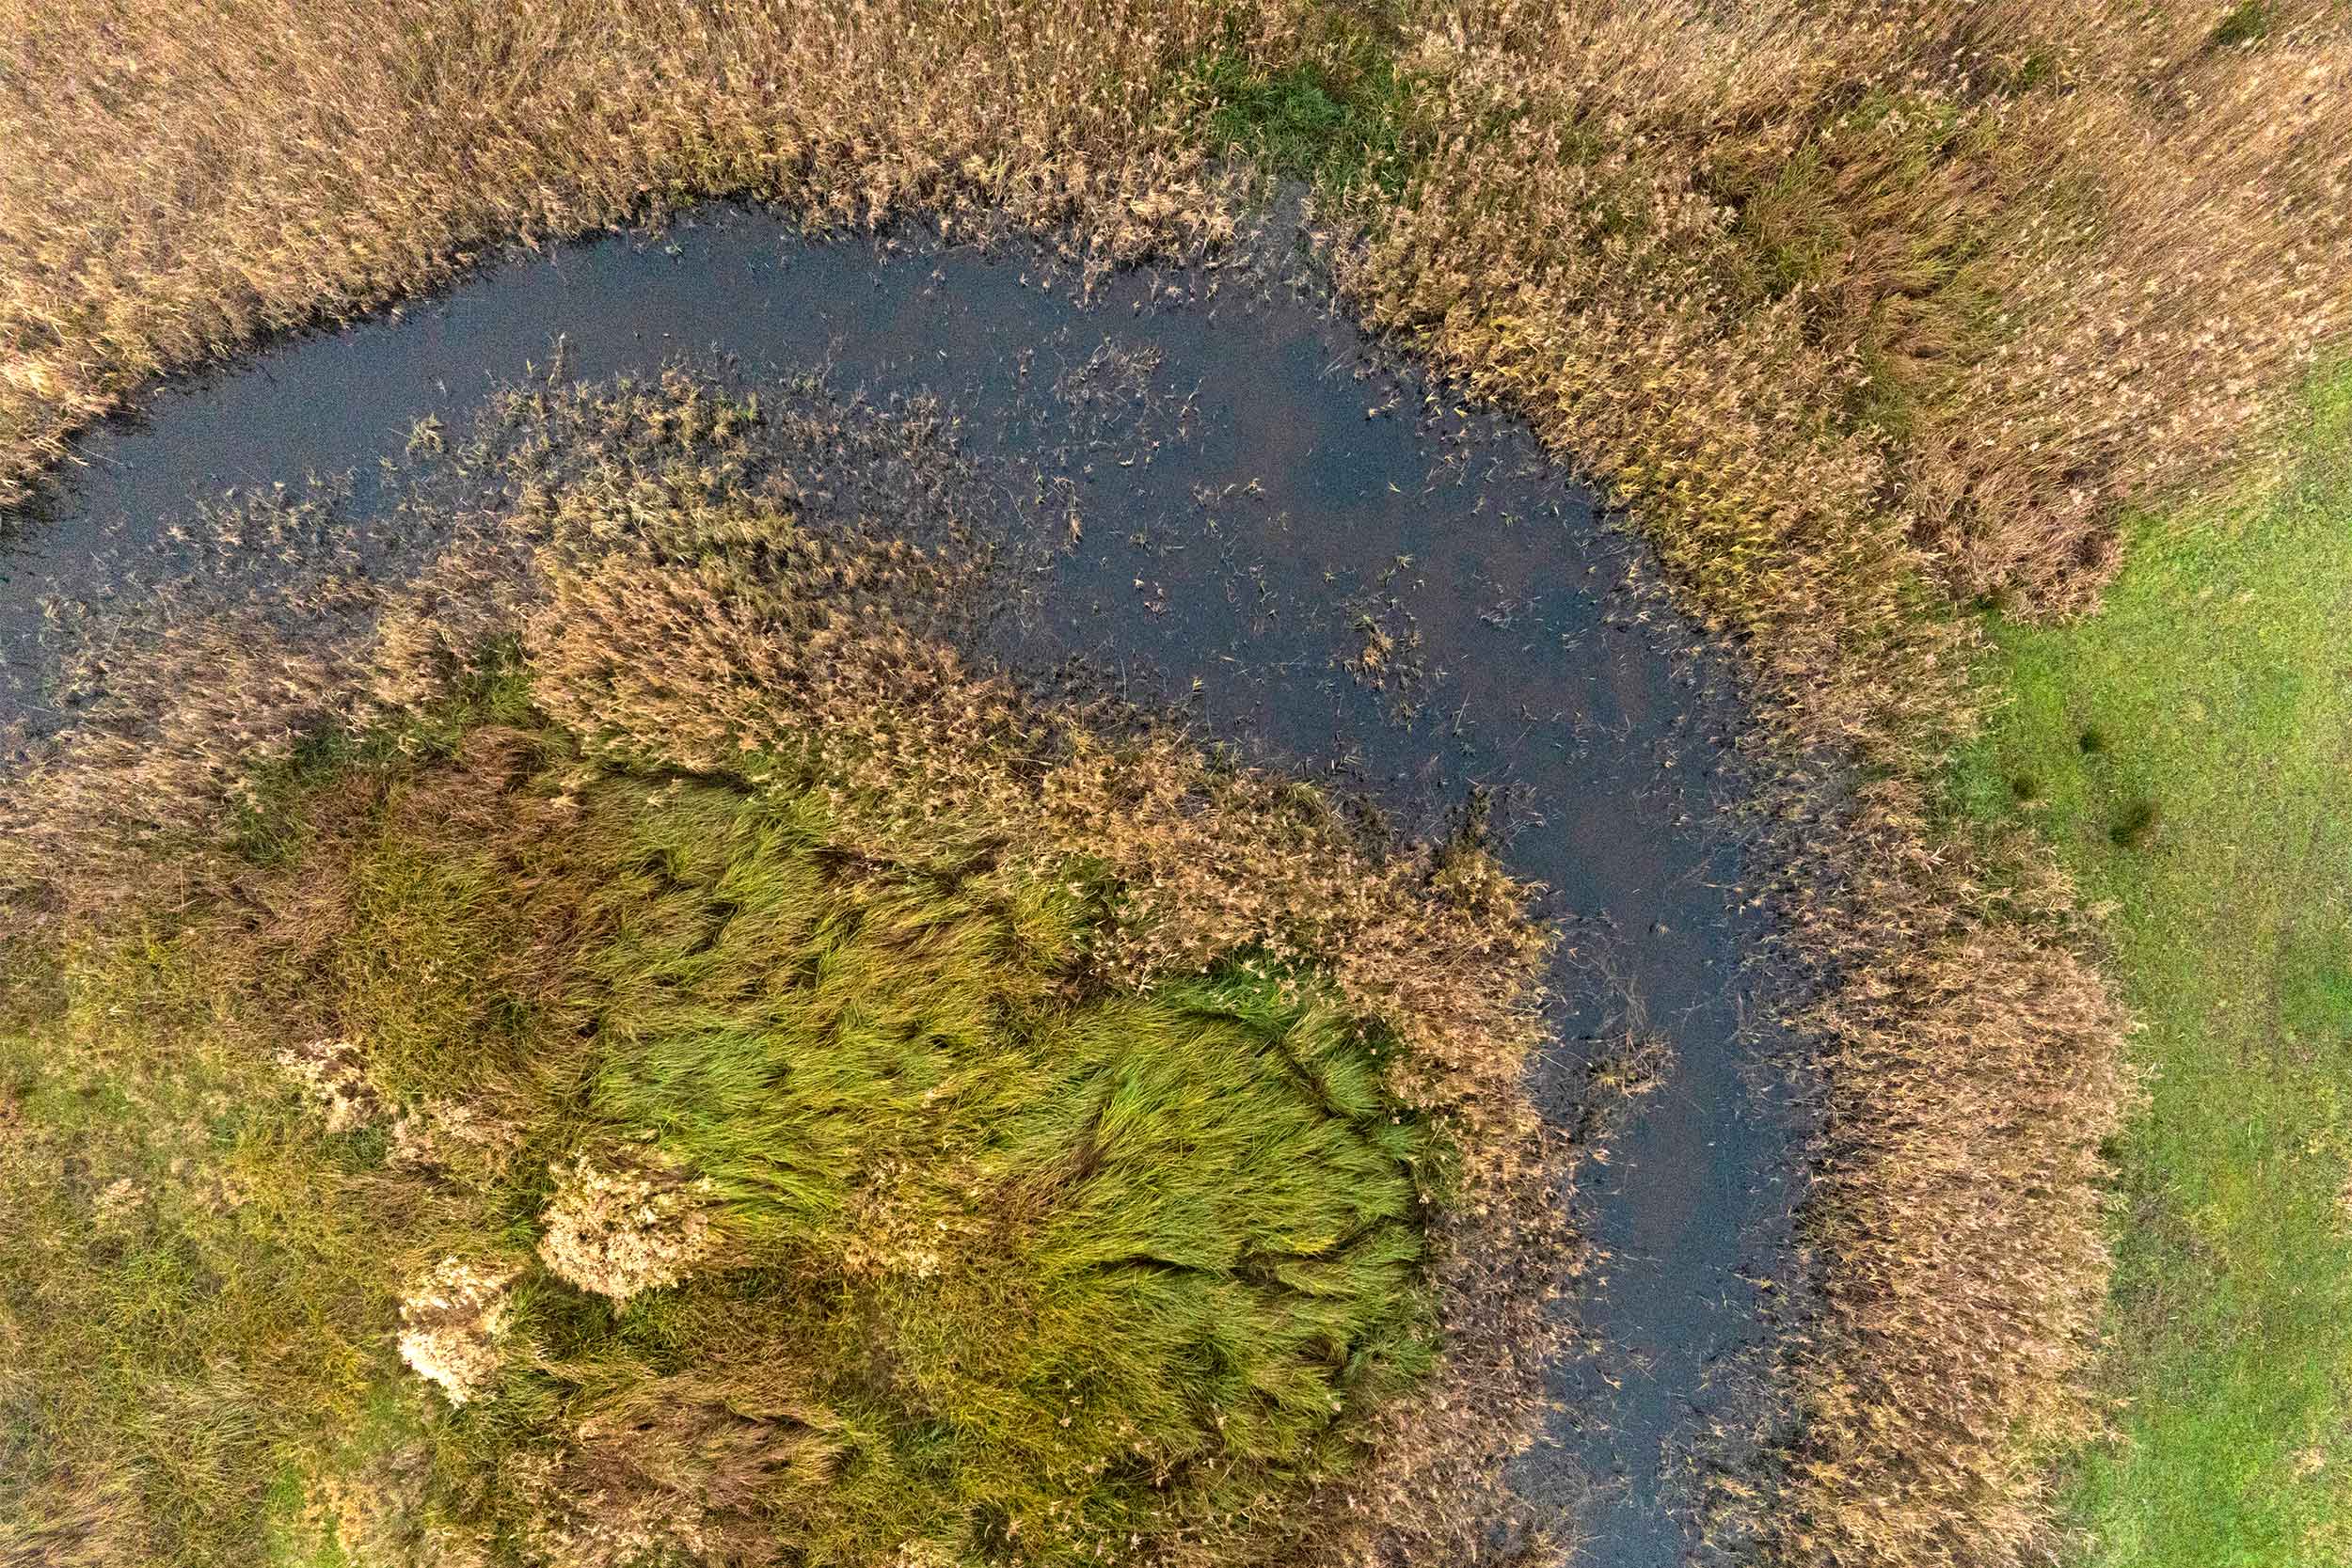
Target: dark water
x,y
1259,496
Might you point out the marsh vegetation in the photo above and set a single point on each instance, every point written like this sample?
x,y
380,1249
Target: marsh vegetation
x,y
1869,315
643,1048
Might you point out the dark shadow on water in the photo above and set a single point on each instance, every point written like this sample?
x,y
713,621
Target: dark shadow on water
x,y
1315,554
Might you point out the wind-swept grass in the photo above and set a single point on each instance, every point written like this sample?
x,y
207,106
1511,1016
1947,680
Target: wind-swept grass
x,y
1044,1268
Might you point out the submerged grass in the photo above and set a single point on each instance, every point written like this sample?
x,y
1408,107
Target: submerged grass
x,y
2186,752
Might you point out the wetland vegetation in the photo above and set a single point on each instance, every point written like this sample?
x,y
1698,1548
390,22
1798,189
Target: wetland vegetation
x,y
676,1062
1876,320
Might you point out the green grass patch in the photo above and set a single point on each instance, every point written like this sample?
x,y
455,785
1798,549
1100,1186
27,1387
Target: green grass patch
x,y
1336,120
939,1247
266,821
2188,751
2246,23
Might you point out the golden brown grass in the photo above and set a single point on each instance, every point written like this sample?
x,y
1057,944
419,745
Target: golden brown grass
x,y
1858,307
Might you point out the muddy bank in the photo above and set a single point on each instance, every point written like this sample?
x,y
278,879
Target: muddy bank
x,y
1243,510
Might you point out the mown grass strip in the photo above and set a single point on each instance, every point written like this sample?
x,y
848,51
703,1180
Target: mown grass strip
x,y
2185,752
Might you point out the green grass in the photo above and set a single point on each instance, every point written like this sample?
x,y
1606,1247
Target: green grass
x,y
162,1350
2249,22
2188,751
1338,124
1014,1265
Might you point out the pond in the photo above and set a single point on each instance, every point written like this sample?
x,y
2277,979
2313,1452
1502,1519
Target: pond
x,y
1261,517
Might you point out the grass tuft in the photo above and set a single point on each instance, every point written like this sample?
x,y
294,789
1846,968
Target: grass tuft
x,y
2246,23
2137,826
1339,128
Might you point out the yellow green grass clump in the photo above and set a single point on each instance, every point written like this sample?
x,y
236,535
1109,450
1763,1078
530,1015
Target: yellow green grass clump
x,y
651,1056
894,1237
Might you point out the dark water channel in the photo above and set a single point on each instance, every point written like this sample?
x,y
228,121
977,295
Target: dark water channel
x,y
1262,497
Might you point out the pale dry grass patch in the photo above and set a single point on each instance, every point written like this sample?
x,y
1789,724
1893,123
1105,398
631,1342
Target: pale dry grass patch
x,y
449,1325
619,1231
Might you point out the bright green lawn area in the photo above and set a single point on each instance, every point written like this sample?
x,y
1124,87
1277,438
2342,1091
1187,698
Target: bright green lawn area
x,y
2187,751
